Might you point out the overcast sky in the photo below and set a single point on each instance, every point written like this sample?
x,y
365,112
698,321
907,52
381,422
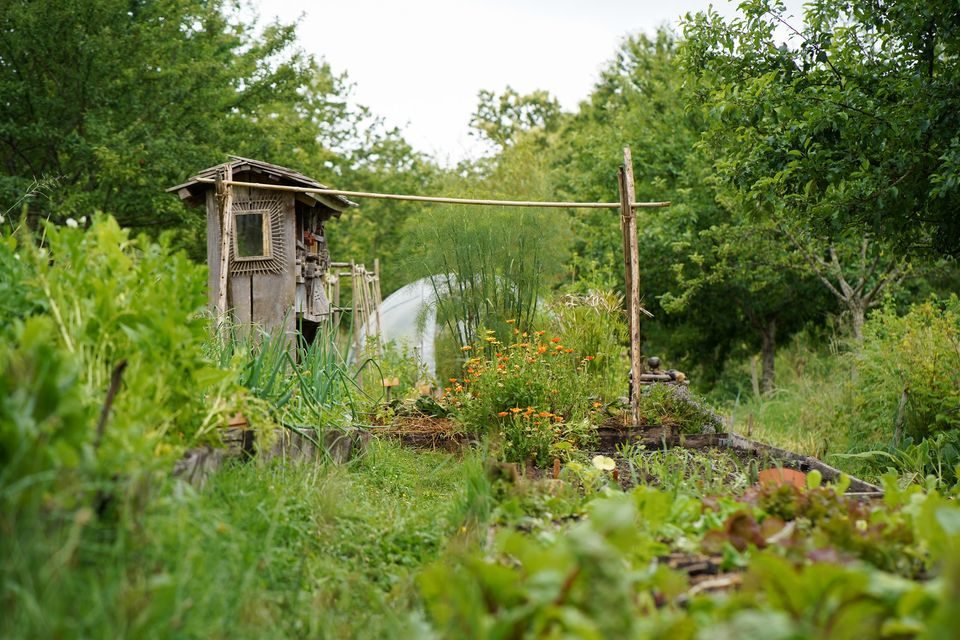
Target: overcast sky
x,y
421,63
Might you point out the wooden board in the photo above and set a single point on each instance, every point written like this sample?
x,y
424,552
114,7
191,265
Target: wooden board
x,y
274,294
213,248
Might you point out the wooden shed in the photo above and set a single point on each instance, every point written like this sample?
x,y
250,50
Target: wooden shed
x,y
278,254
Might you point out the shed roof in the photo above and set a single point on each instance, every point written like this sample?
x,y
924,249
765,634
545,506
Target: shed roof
x,y
193,189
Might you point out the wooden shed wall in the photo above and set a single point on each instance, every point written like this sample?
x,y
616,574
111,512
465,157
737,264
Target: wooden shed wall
x,y
266,299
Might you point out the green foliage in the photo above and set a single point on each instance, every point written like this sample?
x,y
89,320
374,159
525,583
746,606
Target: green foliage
x,y
806,412
485,269
688,471
114,298
817,565
674,407
395,359
120,101
303,385
89,301
501,120
851,124
44,419
917,354
19,297
532,393
264,552
595,323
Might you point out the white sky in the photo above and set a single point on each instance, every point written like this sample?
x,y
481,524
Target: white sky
x,y
421,63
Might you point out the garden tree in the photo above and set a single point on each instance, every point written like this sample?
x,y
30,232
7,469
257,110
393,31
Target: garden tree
x,y
849,125
762,282
120,99
499,119
855,270
712,297
375,229
636,103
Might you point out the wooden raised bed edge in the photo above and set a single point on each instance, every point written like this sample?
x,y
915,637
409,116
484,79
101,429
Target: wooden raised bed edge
x,y
660,437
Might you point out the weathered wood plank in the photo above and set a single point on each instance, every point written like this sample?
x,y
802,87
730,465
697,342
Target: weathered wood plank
x,y
213,248
226,224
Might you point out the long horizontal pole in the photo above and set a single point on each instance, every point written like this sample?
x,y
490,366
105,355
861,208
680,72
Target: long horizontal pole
x,y
438,199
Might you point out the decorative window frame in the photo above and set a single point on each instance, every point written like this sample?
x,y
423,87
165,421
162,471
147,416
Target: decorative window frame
x,y
272,209
266,236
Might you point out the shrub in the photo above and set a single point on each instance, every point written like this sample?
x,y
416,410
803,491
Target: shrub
x,y
916,357
44,421
596,324
488,267
526,392
673,406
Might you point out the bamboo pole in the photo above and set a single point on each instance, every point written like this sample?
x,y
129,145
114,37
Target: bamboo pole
x,y
225,194
440,199
632,266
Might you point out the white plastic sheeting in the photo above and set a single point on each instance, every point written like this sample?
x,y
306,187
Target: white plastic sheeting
x,y
409,316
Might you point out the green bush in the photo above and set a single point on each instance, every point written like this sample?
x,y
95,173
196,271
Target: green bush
x,y
674,406
532,393
104,298
596,324
916,355
44,421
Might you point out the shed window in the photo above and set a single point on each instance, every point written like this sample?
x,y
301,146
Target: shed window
x,y
252,235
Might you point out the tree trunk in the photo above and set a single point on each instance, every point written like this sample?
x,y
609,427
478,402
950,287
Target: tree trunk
x,y
858,316
768,350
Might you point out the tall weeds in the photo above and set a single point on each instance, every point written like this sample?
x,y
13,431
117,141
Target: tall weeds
x,y
487,265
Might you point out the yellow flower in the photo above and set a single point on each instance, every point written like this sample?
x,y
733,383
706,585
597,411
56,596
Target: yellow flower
x,y
603,463
466,348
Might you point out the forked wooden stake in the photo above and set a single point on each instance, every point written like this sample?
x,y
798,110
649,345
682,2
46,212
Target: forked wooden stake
x,y
628,224
225,195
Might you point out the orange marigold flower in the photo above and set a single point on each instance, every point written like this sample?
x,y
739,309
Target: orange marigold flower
x,y
502,413
541,349
588,358
568,350
545,414
511,321
453,379
554,339
466,348
539,333
516,410
597,404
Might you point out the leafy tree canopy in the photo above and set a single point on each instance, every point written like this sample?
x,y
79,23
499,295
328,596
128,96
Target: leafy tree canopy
x,y
850,124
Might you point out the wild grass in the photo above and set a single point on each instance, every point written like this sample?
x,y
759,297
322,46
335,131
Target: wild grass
x,y
265,551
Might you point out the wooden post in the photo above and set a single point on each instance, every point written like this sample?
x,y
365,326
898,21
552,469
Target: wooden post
x,y
225,197
377,301
628,224
354,285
